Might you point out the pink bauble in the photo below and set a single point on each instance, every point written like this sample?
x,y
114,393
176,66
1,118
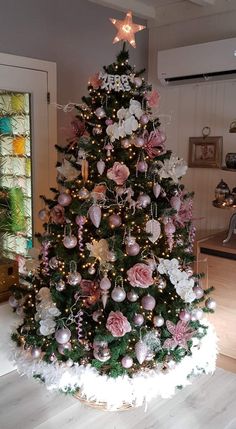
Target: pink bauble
x,y
63,335
63,347
138,81
80,220
139,142
133,249
70,241
64,199
184,315
138,319
36,352
100,112
144,200
114,221
42,214
142,166
125,143
127,362
109,121
105,283
158,321
144,119
148,302
199,292
169,228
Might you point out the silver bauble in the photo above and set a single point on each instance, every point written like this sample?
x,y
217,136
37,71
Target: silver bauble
x,y
118,294
36,352
143,200
63,335
62,347
133,249
142,166
132,296
139,142
138,81
91,270
64,199
53,263
102,354
70,241
210,303
100,112
199,292
60,285
125,143
112,256
83,193
74,278
158,321
184,315
161,284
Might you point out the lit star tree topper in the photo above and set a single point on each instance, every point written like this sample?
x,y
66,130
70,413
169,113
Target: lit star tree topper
x,y
126,29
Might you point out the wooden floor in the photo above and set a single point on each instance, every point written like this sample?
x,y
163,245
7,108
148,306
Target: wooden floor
x,y
210,403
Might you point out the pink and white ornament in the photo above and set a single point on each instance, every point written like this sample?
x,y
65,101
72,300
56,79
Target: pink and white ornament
x,y
100,113
184,315
142,166
70,241
144,119
95,215
64,199
63,335
133,249
36,352
199,292
101,166
138,319
63,347
118,294
148,302
139,141
138,81
156,189
127,362
141,351
143,201
114,221
158,321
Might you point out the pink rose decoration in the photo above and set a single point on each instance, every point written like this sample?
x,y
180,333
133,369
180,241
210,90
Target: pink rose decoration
x,y
140,275
153,98
57,214
117,324
154,143
119,173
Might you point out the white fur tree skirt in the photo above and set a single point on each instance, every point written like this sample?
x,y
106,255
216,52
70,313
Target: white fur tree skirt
x,y
114,392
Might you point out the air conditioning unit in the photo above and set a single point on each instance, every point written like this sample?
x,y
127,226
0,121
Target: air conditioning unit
x,y
198,63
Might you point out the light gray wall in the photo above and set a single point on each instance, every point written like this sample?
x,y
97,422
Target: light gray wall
x,y
76,34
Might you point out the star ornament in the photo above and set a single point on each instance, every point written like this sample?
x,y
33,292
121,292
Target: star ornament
x,y
126,29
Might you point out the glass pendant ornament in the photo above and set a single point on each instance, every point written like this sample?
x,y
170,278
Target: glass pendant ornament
x,y
156,189
95,215
74,278
101,166
142,166
141,351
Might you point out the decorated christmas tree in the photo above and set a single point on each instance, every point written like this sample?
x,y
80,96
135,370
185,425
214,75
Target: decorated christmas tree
x,y
114,313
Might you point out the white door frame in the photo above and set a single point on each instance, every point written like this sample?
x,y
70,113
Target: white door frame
x,y
51,69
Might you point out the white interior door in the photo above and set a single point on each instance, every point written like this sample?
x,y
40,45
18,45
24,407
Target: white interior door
x,y
33,79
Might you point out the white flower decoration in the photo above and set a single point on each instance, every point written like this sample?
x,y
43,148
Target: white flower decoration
x,y
172,168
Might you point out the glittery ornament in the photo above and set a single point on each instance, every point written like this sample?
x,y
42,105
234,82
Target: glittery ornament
x,y
118,294
53,263
60,285
114,221
199,292
95,215
127,362
210,303
36,352
143,201
153,228
138,319
142,166
63,347
148,302
70,241
144,119
156,189
132,296
158,321
141,351
63,335
184,315
64,199
101,166
100,112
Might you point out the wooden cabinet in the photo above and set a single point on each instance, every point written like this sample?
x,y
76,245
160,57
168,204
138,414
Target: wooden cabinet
x,y
218,262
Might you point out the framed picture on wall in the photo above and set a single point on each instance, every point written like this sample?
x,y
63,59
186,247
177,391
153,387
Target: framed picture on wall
x,y
205,152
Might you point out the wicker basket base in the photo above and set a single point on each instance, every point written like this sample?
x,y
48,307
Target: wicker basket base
x,y
103,405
